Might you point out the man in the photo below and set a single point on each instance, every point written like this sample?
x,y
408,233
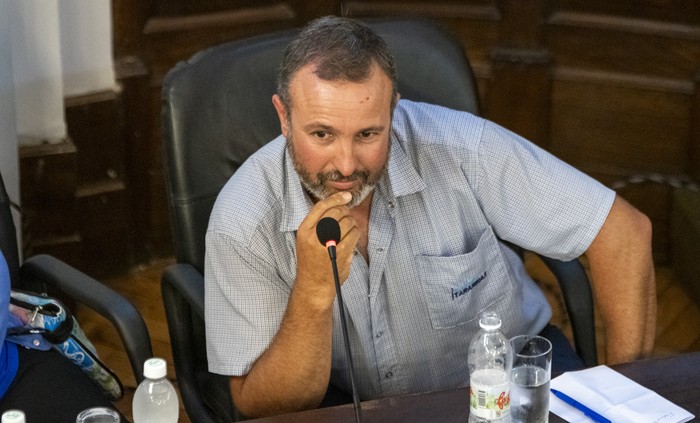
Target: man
x,y
423,195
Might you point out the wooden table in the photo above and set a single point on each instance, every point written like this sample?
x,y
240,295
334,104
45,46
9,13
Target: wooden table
x,y
677,378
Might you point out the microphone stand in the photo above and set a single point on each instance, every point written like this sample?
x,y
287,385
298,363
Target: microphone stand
x,y
346,338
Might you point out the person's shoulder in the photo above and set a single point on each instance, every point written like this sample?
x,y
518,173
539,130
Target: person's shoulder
x,y
415,110
424,123
252,192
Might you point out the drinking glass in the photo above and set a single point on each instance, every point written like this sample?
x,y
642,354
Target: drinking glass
x,y
98,415
529,387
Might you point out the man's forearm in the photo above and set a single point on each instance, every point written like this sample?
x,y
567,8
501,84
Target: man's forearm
x,y
293,373
624,284
630,327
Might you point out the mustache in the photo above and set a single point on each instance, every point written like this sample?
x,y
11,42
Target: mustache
x,y
336,176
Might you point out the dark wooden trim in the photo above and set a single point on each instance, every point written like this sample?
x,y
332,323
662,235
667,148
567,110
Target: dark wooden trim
x,y
46,149
625,24
425,9
678,86
694,138
228,18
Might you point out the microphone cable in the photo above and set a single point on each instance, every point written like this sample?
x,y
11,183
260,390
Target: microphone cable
x,y
328,233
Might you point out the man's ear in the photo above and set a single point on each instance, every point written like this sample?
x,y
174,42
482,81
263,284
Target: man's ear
x,y
281,114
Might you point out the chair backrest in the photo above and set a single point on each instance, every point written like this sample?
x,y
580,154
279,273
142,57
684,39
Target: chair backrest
x,y
217,111
8,235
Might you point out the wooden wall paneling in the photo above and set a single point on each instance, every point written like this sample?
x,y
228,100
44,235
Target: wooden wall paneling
x,y
95,124
170,39
48,180
684,11
520,86
522,23
603,126
622,98
474,23
519,92
128,20
694,145
134,80
654,199
665,50
104,228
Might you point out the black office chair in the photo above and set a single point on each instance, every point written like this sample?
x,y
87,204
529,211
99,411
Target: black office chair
x,y
42,272
217,111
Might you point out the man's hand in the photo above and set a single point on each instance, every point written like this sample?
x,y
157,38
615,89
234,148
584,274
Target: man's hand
x,y
313,266
293,373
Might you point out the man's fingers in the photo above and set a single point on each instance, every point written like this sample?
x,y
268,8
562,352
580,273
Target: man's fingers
x,y
334,201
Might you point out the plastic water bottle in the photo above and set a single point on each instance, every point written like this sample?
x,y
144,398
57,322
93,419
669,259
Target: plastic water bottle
x,y
155,399
490,361
13,416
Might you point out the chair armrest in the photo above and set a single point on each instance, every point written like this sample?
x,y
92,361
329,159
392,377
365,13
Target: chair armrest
x,y
189,284
576,291
205,395
99,297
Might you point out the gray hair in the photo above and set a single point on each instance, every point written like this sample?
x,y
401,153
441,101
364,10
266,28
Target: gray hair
x,y
342,49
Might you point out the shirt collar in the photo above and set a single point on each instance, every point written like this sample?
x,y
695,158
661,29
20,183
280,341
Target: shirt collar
x,y
296,203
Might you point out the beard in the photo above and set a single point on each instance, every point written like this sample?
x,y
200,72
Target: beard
x,y
317,187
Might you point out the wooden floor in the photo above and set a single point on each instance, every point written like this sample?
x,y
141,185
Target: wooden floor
x,y
678,328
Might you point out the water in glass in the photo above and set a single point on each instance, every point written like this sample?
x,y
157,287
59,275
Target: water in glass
x,y
529,395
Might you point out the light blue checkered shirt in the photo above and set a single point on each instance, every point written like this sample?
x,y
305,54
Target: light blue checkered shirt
x,y
456,185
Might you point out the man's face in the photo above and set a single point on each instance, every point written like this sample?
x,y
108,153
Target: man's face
x,y
338,132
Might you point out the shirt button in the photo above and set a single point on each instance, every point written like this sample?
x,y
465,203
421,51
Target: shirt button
x,y
389,375
379,334
354,252
391,204
380,249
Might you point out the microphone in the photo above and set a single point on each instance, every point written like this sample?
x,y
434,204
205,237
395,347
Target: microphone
x,y
328,233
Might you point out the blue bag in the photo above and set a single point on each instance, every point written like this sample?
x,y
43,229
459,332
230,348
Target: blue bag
x,y
47,316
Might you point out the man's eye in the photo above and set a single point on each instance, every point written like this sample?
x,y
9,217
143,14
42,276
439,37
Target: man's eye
x,y
366,136
320,134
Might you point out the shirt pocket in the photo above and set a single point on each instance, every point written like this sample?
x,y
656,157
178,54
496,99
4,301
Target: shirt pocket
x,y
458,288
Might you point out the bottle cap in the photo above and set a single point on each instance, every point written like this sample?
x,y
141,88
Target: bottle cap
x,y
155,368
13,416
490,321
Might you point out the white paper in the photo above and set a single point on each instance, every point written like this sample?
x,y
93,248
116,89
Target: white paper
x,y
613,396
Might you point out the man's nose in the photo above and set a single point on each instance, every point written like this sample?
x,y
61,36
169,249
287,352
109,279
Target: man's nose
x,y
344,159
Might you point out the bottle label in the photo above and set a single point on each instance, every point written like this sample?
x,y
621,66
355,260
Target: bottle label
x,y
489,394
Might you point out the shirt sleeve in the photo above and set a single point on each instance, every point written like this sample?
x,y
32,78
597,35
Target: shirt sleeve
x,y
245,301
535,200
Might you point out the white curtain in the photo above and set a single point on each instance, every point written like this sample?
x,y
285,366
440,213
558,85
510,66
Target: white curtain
x,y
59,48
36,61
86,46
49,50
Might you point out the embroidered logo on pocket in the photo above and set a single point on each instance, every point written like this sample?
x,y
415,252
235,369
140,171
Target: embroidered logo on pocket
x,y
456,293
